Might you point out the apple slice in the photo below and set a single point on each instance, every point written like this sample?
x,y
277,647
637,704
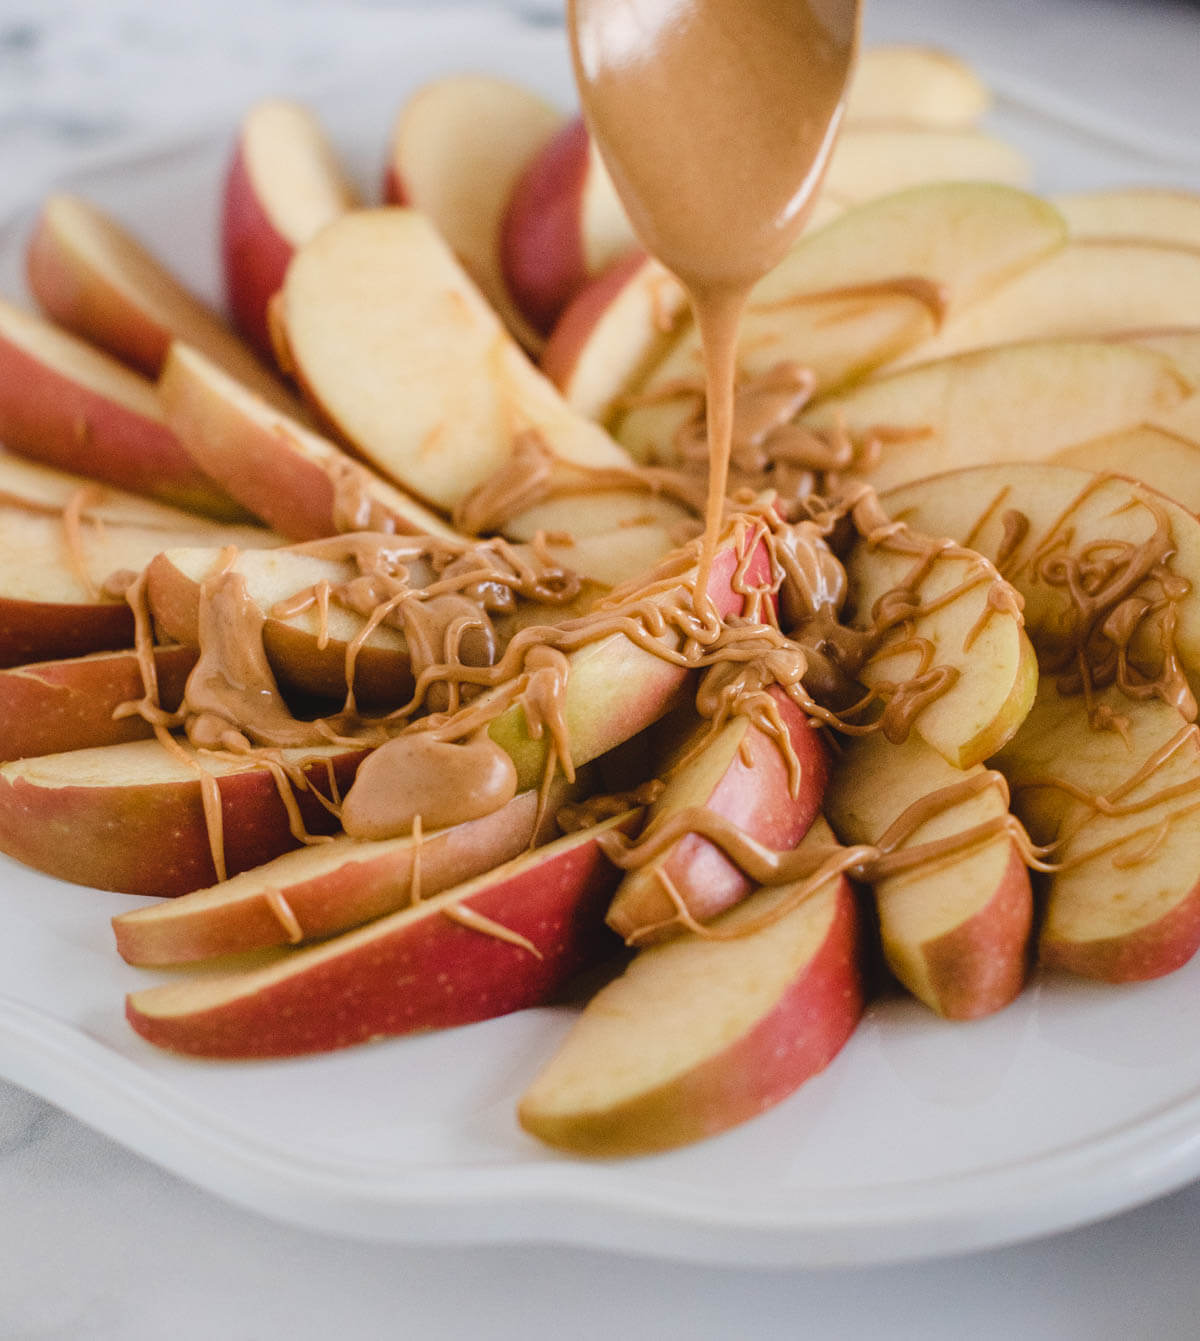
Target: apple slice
x,y
458,148
614,328
313,892
68,405
91,276
739,774
52,602
399,350
839,303
294,479
51,707
306,649
1087,290
968,623
1014,403
1183,347
698,1035
591,515
1125,904
1162,460
919,84
283,185
130,817
955,929
501,942
563,226
871,161
1136,213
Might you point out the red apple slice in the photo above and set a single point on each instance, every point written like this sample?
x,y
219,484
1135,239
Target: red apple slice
x,y
68,405
319,891
283,185
501,942
1125,905
458,148
94,278
130,817
955,929
741,775
919,84
51,599
296,480
51,707
398,349
699,1035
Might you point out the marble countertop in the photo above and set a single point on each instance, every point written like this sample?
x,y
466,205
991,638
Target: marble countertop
x,y
96,1243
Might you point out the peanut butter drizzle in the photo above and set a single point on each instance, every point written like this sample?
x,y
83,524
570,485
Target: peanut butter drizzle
x,y
473,921
73,515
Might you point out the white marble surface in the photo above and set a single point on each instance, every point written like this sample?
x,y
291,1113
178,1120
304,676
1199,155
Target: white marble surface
x,y
97,1244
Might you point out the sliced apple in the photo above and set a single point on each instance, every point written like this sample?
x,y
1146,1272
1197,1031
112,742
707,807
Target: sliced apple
x,y
1066,510
68,405
611,332
501,942
314,892
872,161
1162,460
913,83
1183,348
839,304
599,513
283,185
960,627
955,929
1087,290
91,276
399,350
1125,904
1016,403
130,817
458,148
563,226
52,602
293,478
51,707
1137,212
699,1035
741,775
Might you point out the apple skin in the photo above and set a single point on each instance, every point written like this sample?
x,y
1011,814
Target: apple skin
x,y
1154,950
751,791
54,706
255,255
50,630
330,888
796,1039
150,838
541,241
53,417
411,971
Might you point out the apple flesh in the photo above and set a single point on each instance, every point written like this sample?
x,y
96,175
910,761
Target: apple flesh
x,y
398,349
1183,348
68,405
915,84
739,774
51,707
415,969
955,930
699,1035
278,468
327,889
1152,456
1015,403
1135,213
130,817
458,148
283,185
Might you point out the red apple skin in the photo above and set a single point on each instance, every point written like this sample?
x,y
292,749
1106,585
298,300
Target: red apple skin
x,y
45,630
152,838
55,706
799,1037
255,256
973,968
334,901
52,418
1154,950
754,797
394,190
541,242
405,974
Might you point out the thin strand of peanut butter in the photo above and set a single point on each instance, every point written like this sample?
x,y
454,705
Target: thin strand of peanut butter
x,y
473,921
284,915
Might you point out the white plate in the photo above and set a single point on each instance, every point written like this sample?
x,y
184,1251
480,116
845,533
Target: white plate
x,y
922,1138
